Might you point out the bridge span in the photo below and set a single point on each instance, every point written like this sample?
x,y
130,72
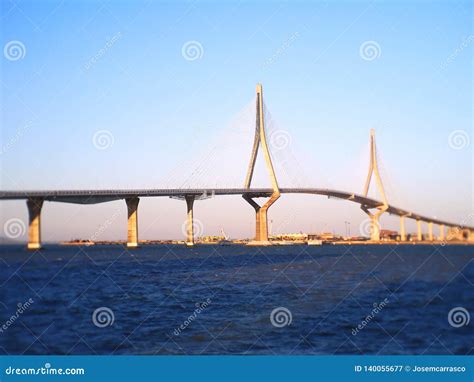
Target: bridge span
x,y
373,208
35,201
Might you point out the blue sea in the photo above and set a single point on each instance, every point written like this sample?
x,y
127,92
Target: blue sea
x,y
169,299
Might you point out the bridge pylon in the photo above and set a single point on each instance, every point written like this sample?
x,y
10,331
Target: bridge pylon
x,y
132,221
261,225
403,233
189,222
34,226
374,169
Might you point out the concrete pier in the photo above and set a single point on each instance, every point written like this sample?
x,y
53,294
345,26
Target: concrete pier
x,y
470,235
34,226
261,220
132,231
403,233
418,230
374,227
441,232
374,221
190,221
430,231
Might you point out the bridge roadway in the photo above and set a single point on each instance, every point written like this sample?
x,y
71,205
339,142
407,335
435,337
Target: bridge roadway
x,y
101,196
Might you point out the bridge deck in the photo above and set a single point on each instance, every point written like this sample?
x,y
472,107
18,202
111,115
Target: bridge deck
x,y
101,196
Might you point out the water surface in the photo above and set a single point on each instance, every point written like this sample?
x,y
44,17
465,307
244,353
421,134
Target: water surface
x,y
219,299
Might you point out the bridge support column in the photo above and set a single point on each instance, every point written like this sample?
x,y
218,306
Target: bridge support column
x,y
132,229
261,219
430,231
470,235
374,221
441,232
403,234
34,226
190,221
374,228
418,230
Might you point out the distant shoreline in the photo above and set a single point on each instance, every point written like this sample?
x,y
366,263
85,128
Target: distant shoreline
x,y
273,243
245,242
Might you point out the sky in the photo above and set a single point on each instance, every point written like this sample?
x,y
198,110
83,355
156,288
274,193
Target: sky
x,y
136,94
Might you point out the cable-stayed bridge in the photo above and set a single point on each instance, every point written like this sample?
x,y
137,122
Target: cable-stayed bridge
x,y
372,207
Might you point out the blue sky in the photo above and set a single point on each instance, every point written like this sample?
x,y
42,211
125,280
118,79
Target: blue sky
x,y
121,66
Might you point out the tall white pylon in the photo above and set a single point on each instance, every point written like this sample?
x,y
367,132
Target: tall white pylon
x,y
374,169
261,234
